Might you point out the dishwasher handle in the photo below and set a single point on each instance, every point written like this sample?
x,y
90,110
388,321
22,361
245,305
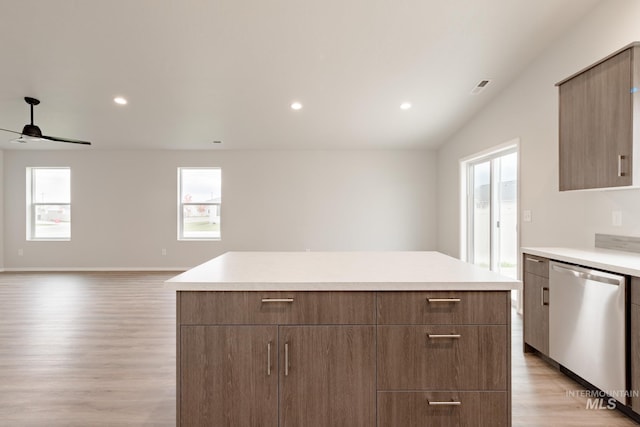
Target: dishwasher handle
x,y
590,275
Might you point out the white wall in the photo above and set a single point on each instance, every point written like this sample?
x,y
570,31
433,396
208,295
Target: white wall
x,y
124,205
528,109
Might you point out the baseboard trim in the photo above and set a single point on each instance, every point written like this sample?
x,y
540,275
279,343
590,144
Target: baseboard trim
x,y
89,269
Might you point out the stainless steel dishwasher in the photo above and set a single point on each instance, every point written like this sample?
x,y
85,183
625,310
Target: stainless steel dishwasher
x,y
587,325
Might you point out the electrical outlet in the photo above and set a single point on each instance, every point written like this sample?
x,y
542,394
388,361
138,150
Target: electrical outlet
x,y
526,216
616,218
164,251
20,252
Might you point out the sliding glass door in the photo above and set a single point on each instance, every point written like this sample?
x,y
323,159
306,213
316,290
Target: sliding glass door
x,y
492,212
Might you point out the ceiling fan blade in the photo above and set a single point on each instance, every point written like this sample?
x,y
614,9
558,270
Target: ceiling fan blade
x,y
12,131
72,141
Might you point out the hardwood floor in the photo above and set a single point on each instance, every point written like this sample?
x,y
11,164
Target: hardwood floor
x,y
87,349
98,349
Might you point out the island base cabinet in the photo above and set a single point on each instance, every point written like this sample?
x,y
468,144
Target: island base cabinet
x,y
443,409
327,376
226,377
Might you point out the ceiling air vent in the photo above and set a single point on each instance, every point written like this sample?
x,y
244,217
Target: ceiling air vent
x,y
480,87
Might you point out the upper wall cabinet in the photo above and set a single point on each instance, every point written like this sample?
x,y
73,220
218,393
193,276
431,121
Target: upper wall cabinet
x,y
599,123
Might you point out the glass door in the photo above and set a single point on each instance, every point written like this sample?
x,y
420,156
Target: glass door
x,y
492,218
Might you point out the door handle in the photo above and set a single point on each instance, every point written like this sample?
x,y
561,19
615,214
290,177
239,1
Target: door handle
x,y
269,358
542,300
533,259
286,359
620,159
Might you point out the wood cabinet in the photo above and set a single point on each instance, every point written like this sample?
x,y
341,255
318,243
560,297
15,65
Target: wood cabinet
x,y
597,133
224,369
536,304
241,364
357,359
443,359
328,376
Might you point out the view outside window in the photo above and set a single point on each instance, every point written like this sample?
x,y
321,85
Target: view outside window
x,y
50,204
199,203
493,214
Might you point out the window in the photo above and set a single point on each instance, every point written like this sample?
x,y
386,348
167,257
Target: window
x,y
49,204
199,198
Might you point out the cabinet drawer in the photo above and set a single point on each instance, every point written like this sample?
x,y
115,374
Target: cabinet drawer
x,y
444,307
536,265
437,357
276,307
465,409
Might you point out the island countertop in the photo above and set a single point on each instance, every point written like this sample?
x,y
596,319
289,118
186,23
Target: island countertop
x,y
338,271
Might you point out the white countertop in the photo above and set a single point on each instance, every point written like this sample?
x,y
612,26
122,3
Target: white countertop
x,y
603,259
341,271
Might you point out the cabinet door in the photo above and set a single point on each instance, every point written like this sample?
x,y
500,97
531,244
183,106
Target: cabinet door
x,y
536,312
327,376
226,377
596,126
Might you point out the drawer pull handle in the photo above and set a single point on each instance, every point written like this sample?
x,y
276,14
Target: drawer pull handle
x,y
437,336
269,358
443,299
444,403
286,359
533,259
277,299
543,300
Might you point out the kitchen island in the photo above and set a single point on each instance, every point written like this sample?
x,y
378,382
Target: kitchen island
x,y
342,339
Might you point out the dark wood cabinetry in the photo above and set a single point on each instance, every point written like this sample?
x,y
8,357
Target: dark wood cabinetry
x,y
536,303
327,376
597,127
240,365
443,409
229,377
443,359
357,359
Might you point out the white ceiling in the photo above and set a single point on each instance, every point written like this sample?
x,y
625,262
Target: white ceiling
x,y
195,71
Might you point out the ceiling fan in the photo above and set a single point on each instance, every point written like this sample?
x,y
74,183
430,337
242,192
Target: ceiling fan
x,y
31,132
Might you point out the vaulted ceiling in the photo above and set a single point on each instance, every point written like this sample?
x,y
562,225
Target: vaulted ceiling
x,y
198,71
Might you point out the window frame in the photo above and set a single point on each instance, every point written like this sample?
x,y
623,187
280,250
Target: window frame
x,y
181,205
33,205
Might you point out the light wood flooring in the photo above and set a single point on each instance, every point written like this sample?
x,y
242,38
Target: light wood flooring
x,y
98,349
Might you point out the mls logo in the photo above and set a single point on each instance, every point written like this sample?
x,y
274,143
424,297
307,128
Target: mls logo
x,y
599,403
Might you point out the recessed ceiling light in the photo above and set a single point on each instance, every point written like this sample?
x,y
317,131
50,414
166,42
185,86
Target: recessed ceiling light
x,y
405,106
296,106
120,100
